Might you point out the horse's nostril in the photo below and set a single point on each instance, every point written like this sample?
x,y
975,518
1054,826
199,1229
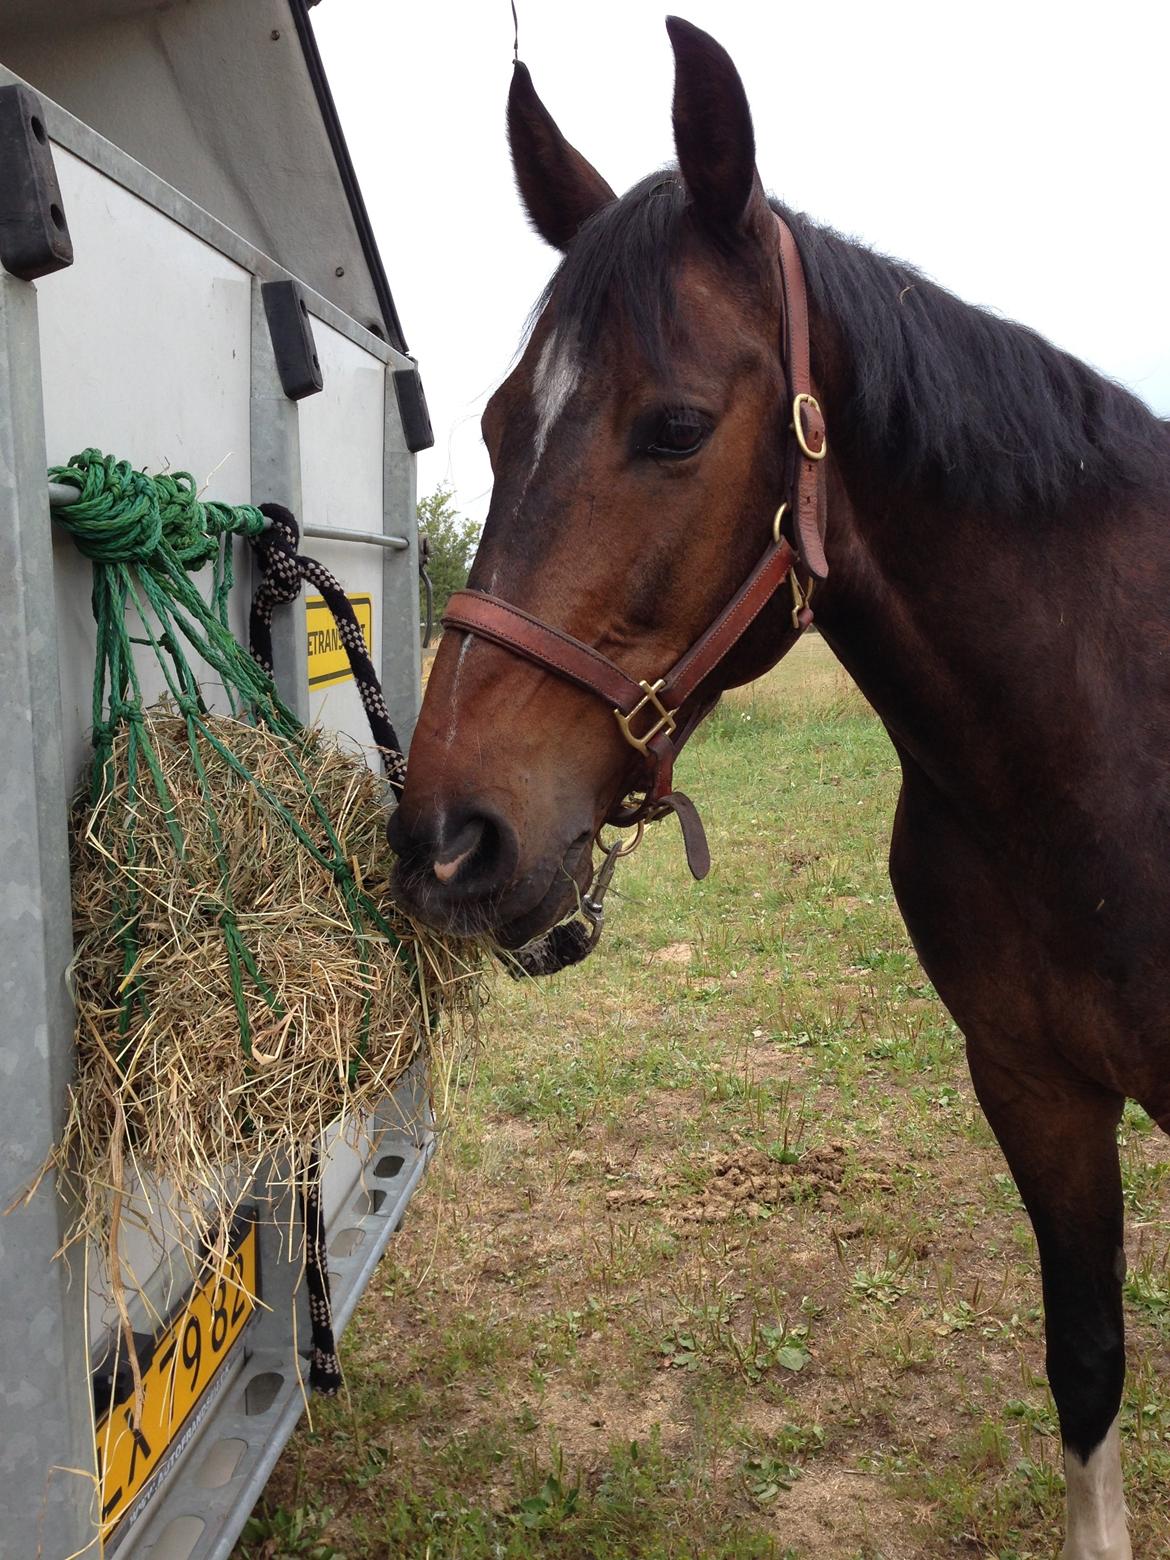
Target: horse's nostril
x,y
476,858
481,857
457,852
446,870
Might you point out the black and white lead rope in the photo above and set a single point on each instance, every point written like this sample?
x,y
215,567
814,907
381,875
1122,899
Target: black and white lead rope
x,y
283,570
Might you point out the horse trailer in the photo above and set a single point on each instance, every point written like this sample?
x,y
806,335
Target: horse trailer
x,y
190,281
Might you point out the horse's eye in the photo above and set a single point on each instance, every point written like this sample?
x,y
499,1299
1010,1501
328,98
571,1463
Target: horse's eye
x,y
678,435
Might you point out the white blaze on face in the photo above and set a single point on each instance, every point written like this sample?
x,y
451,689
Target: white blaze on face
x,y
1096,1504
557,376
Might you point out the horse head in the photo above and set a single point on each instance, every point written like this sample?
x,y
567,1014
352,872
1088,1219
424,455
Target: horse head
x,y
638,455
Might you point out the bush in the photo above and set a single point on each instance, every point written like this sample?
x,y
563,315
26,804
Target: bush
x,y
453,540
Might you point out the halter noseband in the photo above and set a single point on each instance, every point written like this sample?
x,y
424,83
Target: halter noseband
x,y
648,713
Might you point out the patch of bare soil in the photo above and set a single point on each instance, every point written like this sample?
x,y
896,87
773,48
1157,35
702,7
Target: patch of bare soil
x,y
834,1511
586,1423
673,953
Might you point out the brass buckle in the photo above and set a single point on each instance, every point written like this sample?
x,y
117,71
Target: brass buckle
x,y
778,521
798,430
665,723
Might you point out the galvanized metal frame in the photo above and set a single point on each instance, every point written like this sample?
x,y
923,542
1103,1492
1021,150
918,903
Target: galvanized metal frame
x,y
276,473
44,1364
258,1397
401,672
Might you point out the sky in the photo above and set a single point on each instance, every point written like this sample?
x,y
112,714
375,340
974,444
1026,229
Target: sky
x,y
1015,152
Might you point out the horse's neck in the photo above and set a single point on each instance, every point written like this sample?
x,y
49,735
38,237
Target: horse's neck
x,y
977,640
982,636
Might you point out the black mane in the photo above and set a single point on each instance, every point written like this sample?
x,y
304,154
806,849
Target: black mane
x,y
942,397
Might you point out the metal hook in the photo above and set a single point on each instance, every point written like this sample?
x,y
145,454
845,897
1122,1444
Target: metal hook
x,y
592,903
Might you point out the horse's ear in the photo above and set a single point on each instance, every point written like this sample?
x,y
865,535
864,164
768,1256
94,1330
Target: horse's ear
x,y
558,187
713,131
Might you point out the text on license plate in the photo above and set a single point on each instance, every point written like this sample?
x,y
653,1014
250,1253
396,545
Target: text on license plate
x,y
185,1357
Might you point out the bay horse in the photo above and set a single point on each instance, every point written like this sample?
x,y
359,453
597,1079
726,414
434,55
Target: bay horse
x,y
989,546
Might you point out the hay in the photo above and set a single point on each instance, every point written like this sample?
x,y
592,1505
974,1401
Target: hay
x,y
173,1093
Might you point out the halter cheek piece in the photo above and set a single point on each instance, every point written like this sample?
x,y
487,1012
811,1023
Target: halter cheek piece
x,y
648,713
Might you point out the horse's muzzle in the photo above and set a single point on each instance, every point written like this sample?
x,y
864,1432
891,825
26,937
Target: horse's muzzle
x,y
463,875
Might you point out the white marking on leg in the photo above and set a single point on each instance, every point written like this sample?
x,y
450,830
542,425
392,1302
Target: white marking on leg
x,y
1096,1503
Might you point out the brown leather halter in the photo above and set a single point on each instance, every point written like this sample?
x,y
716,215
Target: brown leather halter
x,y
648,713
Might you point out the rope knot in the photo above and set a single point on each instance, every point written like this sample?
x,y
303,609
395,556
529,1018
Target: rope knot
x,y
122,515
115,517
277,549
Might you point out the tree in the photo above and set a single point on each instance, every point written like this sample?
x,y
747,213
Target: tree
x,y
453,540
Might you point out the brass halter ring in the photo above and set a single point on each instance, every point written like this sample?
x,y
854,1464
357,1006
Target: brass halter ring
x,y
800,597
628,849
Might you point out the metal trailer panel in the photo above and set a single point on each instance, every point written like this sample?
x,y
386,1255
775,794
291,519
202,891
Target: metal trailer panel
x,y
241,1437
176,397
341,487
44,1366
164,386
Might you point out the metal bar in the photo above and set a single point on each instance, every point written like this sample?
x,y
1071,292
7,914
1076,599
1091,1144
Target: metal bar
x,y
62,494
335,533
47,1448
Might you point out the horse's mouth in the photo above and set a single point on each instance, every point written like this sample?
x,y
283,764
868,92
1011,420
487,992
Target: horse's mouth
x,y
510,921
562,898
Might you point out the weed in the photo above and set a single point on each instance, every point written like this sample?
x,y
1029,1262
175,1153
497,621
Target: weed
x,y
292,1533
883,1283
765,1477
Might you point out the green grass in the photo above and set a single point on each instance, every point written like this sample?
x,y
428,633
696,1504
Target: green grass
x,y
717,1257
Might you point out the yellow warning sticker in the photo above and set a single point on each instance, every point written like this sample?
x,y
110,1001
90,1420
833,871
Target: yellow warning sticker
x,y
328,662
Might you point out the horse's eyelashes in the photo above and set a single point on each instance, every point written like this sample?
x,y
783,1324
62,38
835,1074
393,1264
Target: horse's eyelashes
x,y
676,434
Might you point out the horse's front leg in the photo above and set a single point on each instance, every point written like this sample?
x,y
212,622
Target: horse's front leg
x,y
1060,1140
1057,1132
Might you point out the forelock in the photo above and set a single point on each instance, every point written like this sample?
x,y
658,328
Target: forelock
x,y
621,266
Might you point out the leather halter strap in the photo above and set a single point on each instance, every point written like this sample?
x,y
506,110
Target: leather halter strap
x,y
809,444
647,712
477,612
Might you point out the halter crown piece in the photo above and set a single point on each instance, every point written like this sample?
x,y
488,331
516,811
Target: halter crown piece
x,y
650,714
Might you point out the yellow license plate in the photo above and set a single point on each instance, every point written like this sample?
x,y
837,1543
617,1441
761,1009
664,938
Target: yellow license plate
x,y
180,1368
